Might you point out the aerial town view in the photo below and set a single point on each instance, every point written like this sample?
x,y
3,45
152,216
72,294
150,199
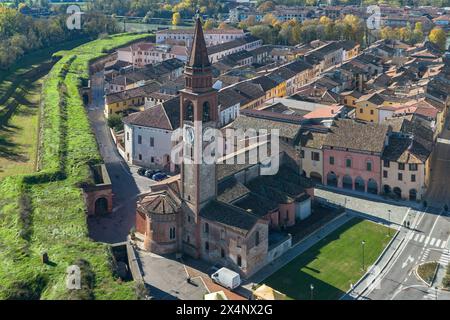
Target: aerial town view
x,y
225,150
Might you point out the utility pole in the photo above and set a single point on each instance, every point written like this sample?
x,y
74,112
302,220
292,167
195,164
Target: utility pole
x,y
363,262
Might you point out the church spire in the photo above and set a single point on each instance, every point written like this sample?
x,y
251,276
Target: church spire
x,y
199,54
198,73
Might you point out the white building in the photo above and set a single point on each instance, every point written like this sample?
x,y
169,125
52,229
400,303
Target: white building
x,y
220,51
148,135
185,36
144,53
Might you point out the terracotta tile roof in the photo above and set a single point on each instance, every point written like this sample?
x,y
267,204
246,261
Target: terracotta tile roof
x,y
407,150
229,215
265,82
325,112
132,93
161,202
288,130
231,190
162,116
355,135
311,139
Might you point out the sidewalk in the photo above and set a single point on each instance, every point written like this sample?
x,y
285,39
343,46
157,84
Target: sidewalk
x,y
371,197
297,250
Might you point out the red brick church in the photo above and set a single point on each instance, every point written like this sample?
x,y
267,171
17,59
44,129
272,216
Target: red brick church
x,y
195,213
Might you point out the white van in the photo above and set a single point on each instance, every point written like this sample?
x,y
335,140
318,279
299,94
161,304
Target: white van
x,y
227,278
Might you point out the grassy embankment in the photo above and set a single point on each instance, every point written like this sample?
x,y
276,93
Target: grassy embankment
x,y
45,211
20,89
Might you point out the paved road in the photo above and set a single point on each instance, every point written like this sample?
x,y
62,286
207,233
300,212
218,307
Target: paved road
x,y
127,184
438,192
426,241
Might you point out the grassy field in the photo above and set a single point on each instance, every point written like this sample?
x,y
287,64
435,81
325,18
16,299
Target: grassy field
x,y
333,264
18,138
20,88
29,61
45,211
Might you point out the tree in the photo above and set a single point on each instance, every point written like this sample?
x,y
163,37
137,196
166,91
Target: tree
x,y
249,22
417,35
209,24
176,18
268,34
438,37
270,19
115,122
267,6
224,25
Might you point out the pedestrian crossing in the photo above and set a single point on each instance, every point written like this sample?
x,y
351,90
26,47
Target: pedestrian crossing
x,y
427,240
445,259
425,255
430,295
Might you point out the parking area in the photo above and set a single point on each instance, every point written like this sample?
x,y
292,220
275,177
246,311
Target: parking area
x,y
167,277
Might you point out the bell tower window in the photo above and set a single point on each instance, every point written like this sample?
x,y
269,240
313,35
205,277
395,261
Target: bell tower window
x,y
206,112
189,113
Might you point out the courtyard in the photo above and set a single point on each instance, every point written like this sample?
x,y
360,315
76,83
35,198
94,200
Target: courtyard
x,y
327,270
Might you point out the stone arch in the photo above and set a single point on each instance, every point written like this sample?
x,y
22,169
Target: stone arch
x,y
347,182
316,177
101,206
413,194
360,184
372,186
398,192
332,179
387,189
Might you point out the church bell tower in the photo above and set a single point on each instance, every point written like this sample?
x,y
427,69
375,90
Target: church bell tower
x,y
198,111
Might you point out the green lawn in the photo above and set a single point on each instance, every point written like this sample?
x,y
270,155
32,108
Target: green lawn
x,y
332,264
18,139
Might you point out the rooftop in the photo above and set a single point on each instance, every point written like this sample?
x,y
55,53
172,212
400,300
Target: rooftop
x,y
355,135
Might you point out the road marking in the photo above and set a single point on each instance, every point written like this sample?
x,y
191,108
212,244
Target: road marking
x,y
416,237
443,244
421,238
411,235
396,256
409,259
438,242
426,241
441,140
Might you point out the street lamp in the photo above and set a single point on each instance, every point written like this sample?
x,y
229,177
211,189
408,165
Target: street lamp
x,y
389,222
363,264
312,290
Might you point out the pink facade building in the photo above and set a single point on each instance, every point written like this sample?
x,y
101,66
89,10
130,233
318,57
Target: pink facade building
x,y
352,155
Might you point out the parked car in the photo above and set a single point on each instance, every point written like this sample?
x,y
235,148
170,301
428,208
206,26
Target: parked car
x,y
159,176
150,172
141,171
227,278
